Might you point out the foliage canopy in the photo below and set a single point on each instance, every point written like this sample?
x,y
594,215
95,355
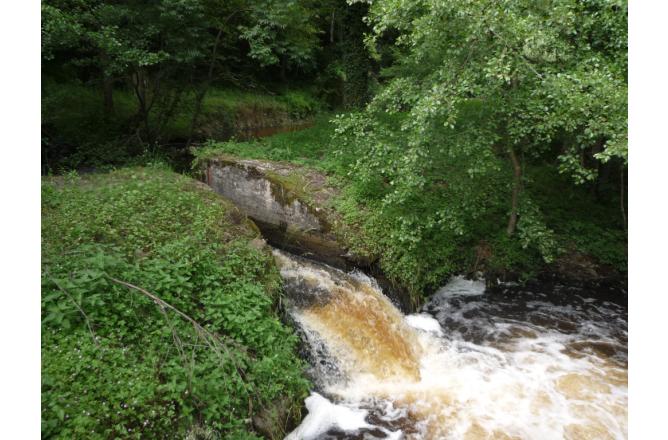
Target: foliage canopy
x,y
474,91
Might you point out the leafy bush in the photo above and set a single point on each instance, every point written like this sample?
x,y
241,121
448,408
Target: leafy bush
x,y
210,350
582,221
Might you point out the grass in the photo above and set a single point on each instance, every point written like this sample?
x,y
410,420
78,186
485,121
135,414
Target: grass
x,y
298,103
310,146
116,363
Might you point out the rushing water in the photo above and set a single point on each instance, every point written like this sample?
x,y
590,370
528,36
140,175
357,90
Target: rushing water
x,y
511,363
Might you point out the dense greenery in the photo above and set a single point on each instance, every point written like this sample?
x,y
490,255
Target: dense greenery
x,y
130,75
76,134
117,363
489,81
462,136
497,140
477,93
419,254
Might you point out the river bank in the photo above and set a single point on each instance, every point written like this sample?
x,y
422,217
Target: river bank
x,y
309,167
198,253
160,314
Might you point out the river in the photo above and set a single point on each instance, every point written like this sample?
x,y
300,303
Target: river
x,y
541,362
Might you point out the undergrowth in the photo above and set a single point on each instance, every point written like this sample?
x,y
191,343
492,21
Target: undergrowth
x,y
206,352
76,133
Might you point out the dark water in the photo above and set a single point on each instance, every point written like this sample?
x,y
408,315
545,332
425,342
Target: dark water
x,y
592,321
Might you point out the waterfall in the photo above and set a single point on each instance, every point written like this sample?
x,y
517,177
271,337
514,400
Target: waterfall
x,y
471,365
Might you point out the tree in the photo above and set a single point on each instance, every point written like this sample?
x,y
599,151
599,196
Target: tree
x,y
135,42
278,32
159,48
531,73
281,32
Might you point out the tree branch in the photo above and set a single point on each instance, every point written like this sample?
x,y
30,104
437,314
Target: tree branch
x,y
212,339
81,310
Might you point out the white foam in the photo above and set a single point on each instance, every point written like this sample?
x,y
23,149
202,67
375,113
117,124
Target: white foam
x,y
324,415
521,381
515,392
459,285
424,322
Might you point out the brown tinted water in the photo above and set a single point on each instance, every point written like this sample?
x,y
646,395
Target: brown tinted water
x,y
546,362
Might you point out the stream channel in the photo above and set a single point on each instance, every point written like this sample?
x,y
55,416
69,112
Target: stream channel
x,y
543,361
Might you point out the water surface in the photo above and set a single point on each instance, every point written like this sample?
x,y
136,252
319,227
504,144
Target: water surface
x,y
545,362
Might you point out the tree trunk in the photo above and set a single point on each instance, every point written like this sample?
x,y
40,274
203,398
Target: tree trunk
x,y
517,187
107,86
199,99
108,90
212,64
140,92
331,27
623,200
171,103
143,105
284,67
601,171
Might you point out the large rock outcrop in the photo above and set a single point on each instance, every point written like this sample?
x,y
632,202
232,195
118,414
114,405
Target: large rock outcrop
x,y
289,204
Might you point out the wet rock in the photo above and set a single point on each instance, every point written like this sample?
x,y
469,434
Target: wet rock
x,y
292,208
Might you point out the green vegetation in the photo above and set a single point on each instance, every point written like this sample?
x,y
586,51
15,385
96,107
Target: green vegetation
x,y
484,109
308,146
461,136
494,85
115,362
77,133
121,78
452,226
